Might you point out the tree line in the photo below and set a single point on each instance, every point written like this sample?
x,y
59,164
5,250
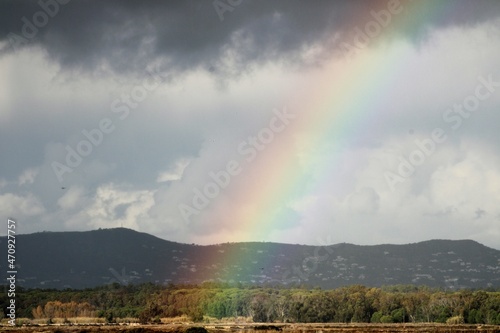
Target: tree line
x,y
354,303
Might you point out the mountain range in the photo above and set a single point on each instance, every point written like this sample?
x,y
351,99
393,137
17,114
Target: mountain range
x,y
92,258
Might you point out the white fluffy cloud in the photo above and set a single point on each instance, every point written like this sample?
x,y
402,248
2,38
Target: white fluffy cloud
x,y
21,206
113,207
28,176
175,172
454,199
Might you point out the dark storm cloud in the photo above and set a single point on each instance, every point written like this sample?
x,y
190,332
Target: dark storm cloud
x,y
127,36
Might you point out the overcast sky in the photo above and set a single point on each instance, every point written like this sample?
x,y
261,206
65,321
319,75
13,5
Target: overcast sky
x,y
326,121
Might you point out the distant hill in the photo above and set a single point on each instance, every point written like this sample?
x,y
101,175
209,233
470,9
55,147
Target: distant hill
x,y
87,259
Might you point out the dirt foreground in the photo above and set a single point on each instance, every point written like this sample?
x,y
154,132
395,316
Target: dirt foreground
x,y
257,328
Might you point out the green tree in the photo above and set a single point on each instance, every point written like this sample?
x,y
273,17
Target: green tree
x,y
398,315
376,316
386,319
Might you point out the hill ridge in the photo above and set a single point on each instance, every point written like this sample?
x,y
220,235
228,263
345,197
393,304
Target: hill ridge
x,y
80,259
257,242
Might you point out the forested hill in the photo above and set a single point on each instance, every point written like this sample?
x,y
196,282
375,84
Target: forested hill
x,y
86,259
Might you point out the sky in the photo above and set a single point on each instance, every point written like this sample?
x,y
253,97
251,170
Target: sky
x,y
310,122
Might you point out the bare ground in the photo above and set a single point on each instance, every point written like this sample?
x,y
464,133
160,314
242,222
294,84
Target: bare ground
x,y
258,328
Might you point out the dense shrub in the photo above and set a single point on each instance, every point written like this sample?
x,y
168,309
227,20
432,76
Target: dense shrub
x,y
386,319
456,320
265,304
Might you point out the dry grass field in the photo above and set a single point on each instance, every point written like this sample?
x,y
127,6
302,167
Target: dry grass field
x,y
255,328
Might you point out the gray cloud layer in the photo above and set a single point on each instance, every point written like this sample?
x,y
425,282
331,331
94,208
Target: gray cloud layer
x,y
221,79
128,36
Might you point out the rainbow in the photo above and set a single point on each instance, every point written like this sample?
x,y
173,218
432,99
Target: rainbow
x,y
337,108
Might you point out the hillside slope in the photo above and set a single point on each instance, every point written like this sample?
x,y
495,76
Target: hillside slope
x,y
86,259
